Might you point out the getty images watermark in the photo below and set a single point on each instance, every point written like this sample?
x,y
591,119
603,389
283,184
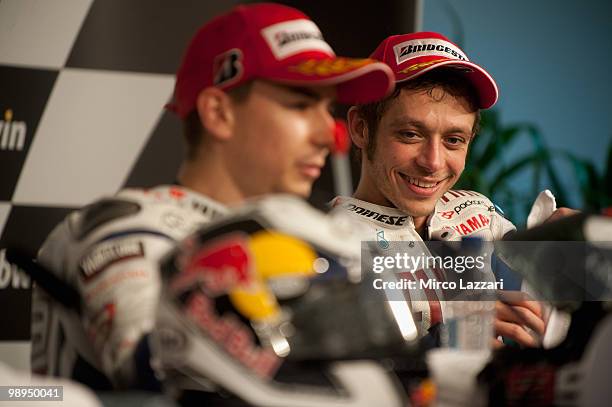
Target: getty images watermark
x,y
461,270
467,270
403,263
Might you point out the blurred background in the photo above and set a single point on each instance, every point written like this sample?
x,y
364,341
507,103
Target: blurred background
x,y
552,127
83,84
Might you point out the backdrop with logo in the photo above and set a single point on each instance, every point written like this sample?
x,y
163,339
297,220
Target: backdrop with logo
x,y
82,89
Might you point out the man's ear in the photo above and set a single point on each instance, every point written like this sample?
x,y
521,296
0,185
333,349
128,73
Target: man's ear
x,y
358,128
216,112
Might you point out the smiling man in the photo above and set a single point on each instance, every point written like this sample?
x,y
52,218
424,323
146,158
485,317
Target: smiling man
x,y
413,146
254,91
419,146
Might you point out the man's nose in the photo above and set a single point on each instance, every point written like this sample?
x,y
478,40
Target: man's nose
x,y
431,156
323,134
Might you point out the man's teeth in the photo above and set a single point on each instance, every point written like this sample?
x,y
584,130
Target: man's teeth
x,y
420,183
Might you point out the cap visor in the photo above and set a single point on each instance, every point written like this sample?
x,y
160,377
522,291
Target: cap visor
x,y
483,82
357,80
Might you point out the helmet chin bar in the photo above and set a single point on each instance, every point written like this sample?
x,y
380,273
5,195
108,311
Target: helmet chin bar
x,y
187,354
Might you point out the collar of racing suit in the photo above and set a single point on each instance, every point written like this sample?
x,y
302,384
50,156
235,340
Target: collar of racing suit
x,y
384,216
182,196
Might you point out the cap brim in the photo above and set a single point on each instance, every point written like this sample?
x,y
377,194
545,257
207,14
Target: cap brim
x,y
356,80
483,82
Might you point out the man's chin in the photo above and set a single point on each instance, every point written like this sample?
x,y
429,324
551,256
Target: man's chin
x,y
301,190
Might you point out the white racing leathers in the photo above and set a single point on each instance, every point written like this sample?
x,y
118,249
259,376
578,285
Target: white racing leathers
x,y
109,251
457,214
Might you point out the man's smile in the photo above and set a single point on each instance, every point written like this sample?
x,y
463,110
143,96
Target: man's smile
x,y
422,186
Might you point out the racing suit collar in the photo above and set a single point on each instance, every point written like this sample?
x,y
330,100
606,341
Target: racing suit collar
x,y
384,216
189,197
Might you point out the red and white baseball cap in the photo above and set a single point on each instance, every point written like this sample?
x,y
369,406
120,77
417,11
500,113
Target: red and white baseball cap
x,y
277,43
411,55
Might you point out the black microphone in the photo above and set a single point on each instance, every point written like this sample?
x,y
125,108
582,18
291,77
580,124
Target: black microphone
x,y
59,290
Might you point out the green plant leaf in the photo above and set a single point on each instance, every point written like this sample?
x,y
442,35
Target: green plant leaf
x,y
498,143
557,187
488,172
536,136
539,144
588,181
520,164
536,180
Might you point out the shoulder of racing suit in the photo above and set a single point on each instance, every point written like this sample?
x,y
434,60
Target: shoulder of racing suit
x,y
109,252
166,212
460,213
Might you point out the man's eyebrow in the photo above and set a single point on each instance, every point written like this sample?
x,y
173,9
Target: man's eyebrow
x,y
407,122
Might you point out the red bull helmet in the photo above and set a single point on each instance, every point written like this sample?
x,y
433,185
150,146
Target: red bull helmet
x,y
270,308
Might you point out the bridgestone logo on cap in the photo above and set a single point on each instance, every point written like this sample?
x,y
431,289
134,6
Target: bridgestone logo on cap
x,y
292,37
427,47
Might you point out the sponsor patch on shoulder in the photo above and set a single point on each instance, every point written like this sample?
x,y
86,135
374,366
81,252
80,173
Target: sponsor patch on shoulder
x,y
108,253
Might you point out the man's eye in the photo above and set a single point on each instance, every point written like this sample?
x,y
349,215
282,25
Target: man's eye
x,y
455,141
301,105
408,135
331,109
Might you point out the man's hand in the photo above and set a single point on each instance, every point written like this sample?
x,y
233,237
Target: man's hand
x,y
516,315
561,213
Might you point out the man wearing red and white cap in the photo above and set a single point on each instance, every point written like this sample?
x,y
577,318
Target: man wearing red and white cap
x,y
259,81
413,146
254,91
